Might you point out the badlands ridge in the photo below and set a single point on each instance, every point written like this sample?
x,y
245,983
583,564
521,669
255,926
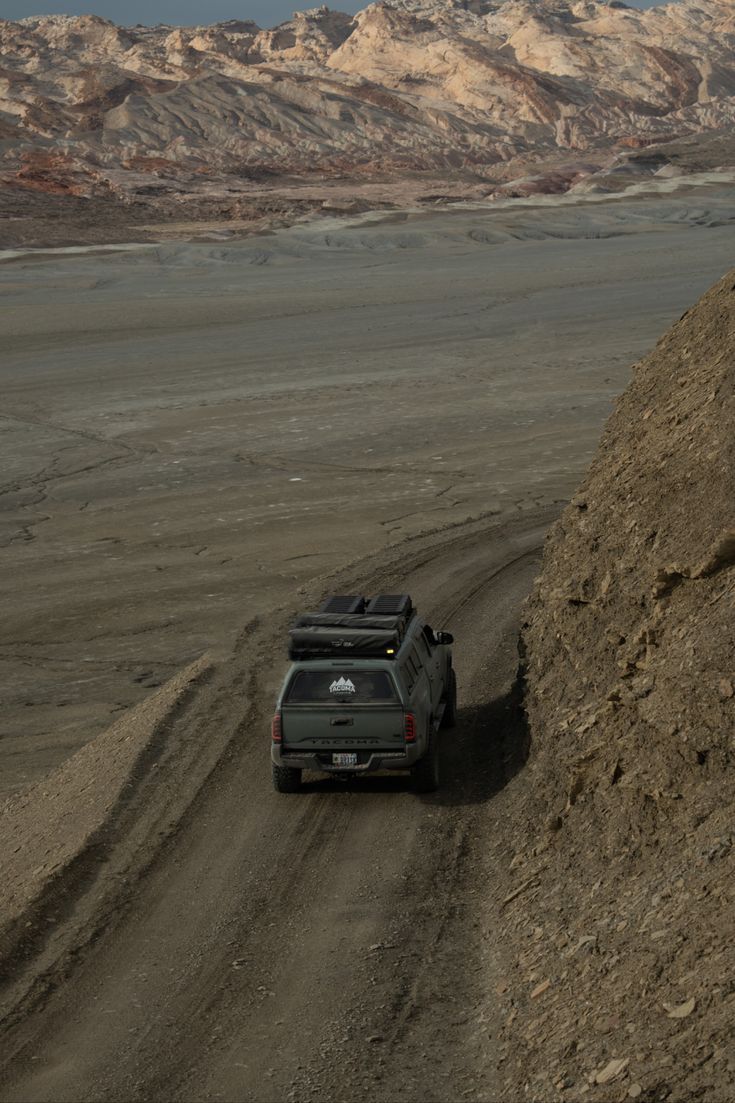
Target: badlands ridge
x,y
409,100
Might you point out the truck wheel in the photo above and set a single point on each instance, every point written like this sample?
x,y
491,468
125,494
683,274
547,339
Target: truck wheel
x,y
285,779
425,774
449,719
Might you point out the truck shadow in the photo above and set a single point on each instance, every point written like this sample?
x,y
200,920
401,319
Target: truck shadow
x,y
484,752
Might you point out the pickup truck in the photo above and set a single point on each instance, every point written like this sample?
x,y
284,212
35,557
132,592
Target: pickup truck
x,y
369,688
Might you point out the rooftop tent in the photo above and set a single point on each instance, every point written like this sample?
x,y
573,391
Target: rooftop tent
x,y
337,631
350,620
324,642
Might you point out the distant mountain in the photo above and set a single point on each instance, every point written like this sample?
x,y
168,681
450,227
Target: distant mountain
x,y
473,87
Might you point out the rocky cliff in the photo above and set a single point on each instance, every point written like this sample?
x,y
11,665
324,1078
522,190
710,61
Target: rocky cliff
x,y
631,637
152,115
630,667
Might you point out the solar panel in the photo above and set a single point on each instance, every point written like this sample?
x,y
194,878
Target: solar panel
x,y
394,605
343,603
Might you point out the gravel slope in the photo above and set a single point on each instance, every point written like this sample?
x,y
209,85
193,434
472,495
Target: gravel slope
x,y
631,675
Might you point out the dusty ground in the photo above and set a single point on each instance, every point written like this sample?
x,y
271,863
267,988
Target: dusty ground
x,y
201,433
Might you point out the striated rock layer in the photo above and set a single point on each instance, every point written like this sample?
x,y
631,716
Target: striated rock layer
x,y
473,88
630,669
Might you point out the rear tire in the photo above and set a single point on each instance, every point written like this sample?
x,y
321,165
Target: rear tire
x,y
286,779
449,719
425,774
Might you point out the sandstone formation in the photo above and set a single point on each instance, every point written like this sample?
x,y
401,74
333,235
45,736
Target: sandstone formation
x,y
477,89
630,667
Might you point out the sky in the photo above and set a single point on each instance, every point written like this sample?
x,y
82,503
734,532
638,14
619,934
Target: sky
x,y
267,13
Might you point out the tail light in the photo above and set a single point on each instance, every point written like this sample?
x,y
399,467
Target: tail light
x,y
409,728
277,729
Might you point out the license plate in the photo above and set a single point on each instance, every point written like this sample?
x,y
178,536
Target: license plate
x,y
344,760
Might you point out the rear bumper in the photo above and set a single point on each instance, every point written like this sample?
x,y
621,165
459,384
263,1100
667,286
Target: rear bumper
x,y
321,762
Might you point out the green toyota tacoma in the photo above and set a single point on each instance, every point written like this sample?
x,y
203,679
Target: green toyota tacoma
x,y
369,688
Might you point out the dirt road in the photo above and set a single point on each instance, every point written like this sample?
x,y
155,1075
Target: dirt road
x,y
331,945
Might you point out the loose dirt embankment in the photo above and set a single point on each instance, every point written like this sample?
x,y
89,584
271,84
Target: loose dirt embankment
x,y
56,834
624,915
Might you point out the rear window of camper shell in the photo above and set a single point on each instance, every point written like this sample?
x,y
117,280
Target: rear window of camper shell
x,y
360,687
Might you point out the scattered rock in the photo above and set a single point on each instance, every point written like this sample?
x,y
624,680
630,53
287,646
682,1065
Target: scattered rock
x,y
682,1010
612,1070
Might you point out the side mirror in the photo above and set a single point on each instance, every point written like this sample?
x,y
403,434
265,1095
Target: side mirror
x,y
444,637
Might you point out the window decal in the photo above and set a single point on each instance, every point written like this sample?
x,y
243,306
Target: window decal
x,y
342,685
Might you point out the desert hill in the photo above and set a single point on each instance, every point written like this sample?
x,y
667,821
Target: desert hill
x,y
630,668
473,92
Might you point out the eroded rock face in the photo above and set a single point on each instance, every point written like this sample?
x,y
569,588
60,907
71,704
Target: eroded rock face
x,y
464,85
625,855
631,635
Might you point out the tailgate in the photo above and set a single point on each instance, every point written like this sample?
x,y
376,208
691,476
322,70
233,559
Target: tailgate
x,y
370,727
